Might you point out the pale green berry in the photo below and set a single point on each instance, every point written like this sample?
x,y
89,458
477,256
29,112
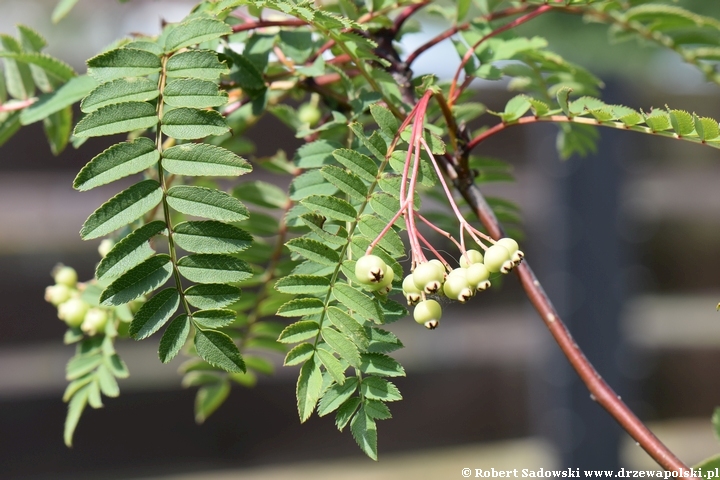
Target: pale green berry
x,y
457,272
105,246
470,257
73,311
411,292
94,321
57,294
370,269
309,113
428,313
496,258
516,255
428,277
65,276
384,286
458,288
478,276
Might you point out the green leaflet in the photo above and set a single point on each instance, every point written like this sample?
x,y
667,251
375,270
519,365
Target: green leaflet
x,y
336,396
202,159
81,365
332,365
213,318
346,182
206,203
314,251
75,409
364,431
57,69
377,388
57,129
209,398
377,410
331,207
118,161
131,89
211,237
262,194
130,251
202,64
194,31
345,412
309,388
213,268
385,119
315,154
299,354
49,103
381,365
300,307
218,350
344,347
371,226
302,284
9,126
361,165
18,77
138,281
310,183
117,118
299,331
349,326
123,208
62,8
108,384
194,93
212,295
154,313
191,123
357,301
121,63
174,338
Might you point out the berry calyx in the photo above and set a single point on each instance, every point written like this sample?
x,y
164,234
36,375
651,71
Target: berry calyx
x,y
411,292
458,288
94,321
516,255
73,311
428,313
384,286
470,257
370,269
428,277
478,276
497,259
57,294
65,276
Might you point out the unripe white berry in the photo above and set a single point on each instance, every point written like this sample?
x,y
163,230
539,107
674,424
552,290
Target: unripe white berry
x,y
370,269
105,246
495,258
57,294
457,272
411,292
428,313
73,311
516,255
94,321
65,276
458,288
428,277
470,257
478,276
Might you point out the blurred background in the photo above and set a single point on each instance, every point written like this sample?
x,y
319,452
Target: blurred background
x,y
624,241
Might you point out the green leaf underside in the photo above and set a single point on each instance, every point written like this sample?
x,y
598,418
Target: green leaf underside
x,y
174,338
194,31
332,365
154,313
345,412
212,295
314,251
213,268
381,365
377,410
108,384
349,326
202,64
62,8
209,398
336,396
299,307
211,236
347,182
118,161
214,318
193,93
201,159
75,409
298,354
338,342
48,65
132,89
49,103
130,251
82,364
206,203
309,388
218,350
331,207
117,118
359,302
376,388
361,165
302,284
364,431
138,281
125,207
121,63
299,331
191,123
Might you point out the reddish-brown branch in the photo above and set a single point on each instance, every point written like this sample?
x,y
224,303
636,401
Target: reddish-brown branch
x,y
17,105
267,23
405,14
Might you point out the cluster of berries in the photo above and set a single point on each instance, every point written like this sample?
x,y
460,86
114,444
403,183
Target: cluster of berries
x,y
435,278
66,295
